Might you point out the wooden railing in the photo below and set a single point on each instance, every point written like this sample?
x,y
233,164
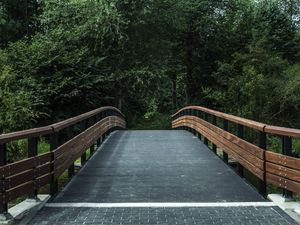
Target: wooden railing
x,y
279,169
68,140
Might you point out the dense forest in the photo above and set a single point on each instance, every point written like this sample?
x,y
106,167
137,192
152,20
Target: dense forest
x,y
59,58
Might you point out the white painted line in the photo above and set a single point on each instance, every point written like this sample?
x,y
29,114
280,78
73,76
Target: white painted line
x,y
160,205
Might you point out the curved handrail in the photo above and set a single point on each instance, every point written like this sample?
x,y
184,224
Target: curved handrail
x,y
270,129
37,170
71,121
35,132
279,169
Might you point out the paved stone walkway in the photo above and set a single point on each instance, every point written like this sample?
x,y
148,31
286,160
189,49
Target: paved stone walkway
x,y
157,166
163,216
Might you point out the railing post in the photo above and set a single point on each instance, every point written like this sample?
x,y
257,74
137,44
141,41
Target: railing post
x,y
206,119
225,127
240,134
70,135
198,116
262,143
214,122
83,156
287,150
92,149
98,142
53,146
4,215
33,151
92,121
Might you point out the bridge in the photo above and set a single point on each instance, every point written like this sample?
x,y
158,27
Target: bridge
x,y
211,168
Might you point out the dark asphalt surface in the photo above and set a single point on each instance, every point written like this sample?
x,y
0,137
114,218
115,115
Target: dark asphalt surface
x,y
158,166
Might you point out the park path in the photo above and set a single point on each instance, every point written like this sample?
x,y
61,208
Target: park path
x,y
158,177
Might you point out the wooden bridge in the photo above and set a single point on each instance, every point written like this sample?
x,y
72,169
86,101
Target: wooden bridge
x,y
153,177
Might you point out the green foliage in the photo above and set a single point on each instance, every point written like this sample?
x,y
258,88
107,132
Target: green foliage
x,y
17,19
149,58
153,121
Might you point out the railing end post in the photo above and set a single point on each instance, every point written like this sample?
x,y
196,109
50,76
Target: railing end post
x,y
4,215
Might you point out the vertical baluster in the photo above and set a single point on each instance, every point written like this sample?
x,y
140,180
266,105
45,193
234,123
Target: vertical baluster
x,y
206,119
83,156
70,135
214,122
240,134
192,129
199,116
4,215
287,150
262,143
92,122
225,127
33,151
104,116
53,145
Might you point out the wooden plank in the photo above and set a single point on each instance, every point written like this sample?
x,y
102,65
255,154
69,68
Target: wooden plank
x,y
36,132
283,182
17,167
66,123
246,146
19,191
42,180
283,171
283,160
284,131
25,176
235,119
18,179
244,161
236,148
78,145
60,168
43,158
25,164
219,141
42,170
251,148
40,131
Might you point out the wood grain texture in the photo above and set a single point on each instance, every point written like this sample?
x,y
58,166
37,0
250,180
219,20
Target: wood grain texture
x,y
280,170
248,160
283,171
283,182
67,153
30,174
22,165
235,119
40,131
283,160
284,131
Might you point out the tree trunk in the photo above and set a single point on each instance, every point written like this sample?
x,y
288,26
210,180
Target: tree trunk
x,y
189,67
174,91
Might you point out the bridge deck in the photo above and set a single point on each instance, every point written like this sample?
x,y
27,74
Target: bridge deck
x,y
157,167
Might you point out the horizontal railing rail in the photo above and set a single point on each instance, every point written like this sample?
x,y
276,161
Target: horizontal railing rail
x,y
36,132
68,140
279,169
